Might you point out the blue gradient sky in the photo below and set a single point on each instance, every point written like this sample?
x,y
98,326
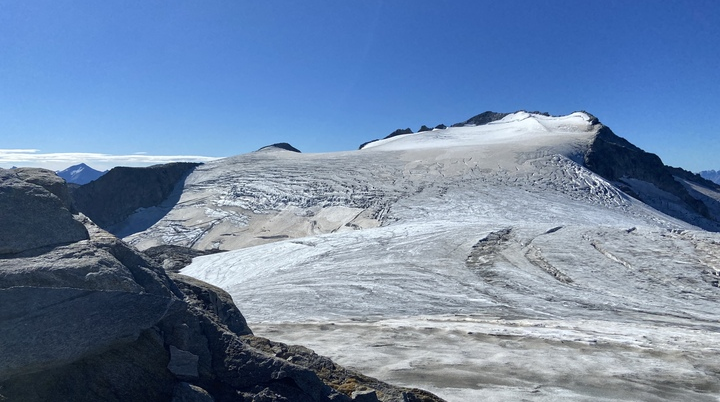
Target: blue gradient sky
x,y
219,78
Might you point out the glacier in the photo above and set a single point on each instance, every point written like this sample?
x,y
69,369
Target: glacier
x,y
478,262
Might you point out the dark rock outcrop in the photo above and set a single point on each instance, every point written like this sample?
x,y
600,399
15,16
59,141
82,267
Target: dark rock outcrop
x,y
424,128
280,146
694,177
624,164
174,258
481,119
399,131
348,382
35,211
368,142
97,320
112,198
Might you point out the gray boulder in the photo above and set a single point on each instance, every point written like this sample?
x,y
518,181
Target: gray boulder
x,y
77,300
35,211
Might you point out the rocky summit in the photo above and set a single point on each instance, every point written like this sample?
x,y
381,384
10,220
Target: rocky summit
x,y
85,317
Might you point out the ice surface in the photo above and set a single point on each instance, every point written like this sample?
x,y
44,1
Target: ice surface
x,y
481,263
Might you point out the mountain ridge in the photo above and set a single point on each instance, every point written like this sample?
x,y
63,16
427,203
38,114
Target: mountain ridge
x,y
712,175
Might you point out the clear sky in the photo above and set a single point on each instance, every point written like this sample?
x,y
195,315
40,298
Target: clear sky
x,y
168,80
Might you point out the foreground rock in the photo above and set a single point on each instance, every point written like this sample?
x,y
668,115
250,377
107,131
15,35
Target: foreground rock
x,y
174,258
35,211
96,320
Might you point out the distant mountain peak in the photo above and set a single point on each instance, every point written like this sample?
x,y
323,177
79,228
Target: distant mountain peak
x,y
80,174
712,175
280,145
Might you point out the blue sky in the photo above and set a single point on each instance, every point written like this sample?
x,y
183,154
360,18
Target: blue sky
x,y
179,79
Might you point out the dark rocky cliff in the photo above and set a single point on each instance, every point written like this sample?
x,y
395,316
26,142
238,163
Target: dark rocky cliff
x,y
112,198
85,317
671,189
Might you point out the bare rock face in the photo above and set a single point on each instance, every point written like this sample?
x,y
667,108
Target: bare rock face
x,y
481,119
123,190
174,258
644,176
77,300
35,211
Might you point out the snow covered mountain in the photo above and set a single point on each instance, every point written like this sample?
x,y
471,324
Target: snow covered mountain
x,y
499,261
263,196
712,175
80,174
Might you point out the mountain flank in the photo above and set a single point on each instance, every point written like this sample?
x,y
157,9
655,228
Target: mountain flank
x,y
642,175
621,162
113,198
712,175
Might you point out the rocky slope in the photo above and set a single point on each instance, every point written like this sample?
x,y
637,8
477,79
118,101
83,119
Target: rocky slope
x,y
87,318
113,200
674,191
712,175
